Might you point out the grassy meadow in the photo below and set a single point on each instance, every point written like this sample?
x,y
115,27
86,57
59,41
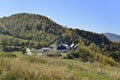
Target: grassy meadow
x,y
16,66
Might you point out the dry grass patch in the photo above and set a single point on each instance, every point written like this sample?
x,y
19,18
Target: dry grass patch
x,y
44,68
21,69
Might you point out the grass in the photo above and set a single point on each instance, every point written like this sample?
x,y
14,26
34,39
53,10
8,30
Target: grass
x,y
24,67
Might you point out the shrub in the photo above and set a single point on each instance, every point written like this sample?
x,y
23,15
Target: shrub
x,y
23,49
54,55
10,49
10,55
85,54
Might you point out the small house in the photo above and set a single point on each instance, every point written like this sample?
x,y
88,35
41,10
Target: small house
x,y
62,48
45,49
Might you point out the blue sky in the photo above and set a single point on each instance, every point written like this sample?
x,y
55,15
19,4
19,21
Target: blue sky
x,y
92,15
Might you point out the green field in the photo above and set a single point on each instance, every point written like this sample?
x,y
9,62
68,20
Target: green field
x,y
16,66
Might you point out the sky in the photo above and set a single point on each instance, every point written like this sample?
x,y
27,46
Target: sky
x,y
100,16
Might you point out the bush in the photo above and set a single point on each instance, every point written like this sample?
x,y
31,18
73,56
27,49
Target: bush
x,y
85,54
10,55
10,49
23,49
54,55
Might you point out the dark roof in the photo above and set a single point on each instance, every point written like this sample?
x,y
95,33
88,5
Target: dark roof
x,y
61,47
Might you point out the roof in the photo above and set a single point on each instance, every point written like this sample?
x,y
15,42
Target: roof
x,y
61,47
45,48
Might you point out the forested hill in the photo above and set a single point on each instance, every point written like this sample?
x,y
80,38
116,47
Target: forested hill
x,y
45,31
36,31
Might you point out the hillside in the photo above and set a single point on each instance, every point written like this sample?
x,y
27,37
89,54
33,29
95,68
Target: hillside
x,y
112,37
42,29
38,31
